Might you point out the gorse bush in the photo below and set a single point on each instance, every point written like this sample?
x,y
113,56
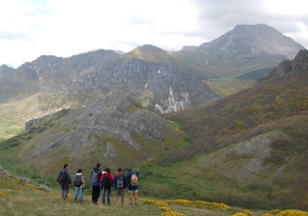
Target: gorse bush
x,y
165,208
240,214
149,202
293,213
172,213
161,204
182,202
209,205
2,194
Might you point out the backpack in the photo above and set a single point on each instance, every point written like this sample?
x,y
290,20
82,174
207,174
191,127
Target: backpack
x,y
94,177
120,182
134,180
106,181
62,177
77,181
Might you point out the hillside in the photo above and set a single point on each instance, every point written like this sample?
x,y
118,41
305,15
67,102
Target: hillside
x,y
21,196
113,131
270,117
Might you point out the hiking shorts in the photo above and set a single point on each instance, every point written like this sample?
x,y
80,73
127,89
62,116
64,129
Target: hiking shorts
x,y
133,191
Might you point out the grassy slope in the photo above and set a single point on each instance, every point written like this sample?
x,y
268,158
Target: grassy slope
x,y
228,85
22,199
240,117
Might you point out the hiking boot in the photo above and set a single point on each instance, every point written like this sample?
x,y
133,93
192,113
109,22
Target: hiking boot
x,y
136,204
131,204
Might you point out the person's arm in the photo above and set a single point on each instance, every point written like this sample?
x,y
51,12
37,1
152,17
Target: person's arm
x,y
58,177
137,173
69,178
112,177
99,175
83,180
125,182
114,182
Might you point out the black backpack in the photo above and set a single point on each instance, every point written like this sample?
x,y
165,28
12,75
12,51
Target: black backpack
x,y
62,177
77,180
106,181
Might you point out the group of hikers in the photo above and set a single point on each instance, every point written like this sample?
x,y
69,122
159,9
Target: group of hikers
x,y
101,181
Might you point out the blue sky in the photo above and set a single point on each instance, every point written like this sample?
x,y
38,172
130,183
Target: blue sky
x,y
31,28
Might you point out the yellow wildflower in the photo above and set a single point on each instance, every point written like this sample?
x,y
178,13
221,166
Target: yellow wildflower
x,y
149,202
160,204
240,214
293,213
165,208
172,213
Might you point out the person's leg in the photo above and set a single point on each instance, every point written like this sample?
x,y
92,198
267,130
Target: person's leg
x,y
136,198
97,193
80,195
103,195
118,193
93,193
66,190
76,194
130,197
62,192
108,196
122,195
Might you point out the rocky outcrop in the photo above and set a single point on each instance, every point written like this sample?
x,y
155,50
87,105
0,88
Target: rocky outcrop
x,y
60,82
114,127
245,159
12,178
288,68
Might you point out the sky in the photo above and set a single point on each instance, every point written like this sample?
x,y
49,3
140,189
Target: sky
x,y
31,28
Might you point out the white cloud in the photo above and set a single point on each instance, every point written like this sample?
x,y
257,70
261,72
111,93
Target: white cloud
x,y
66,27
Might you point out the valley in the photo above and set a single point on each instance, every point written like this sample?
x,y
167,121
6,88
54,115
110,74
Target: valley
x,y
225,123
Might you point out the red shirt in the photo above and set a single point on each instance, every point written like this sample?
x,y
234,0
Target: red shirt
x,y
105,174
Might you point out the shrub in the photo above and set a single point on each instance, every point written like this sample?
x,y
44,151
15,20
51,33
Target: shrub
x,y
159,190
2,194
160,204
69,197
293,213
172,213
165,208
240,214
264,185
149,202
182,202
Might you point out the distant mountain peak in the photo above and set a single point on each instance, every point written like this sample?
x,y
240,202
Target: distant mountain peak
x,y
152,53
5,69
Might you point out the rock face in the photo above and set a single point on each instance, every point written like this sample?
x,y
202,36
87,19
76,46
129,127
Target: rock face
x,y
244,49
114,129
288,68
83,79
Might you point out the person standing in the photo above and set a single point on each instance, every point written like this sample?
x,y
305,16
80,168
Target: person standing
x,y
64,180
79,181
106,183
95,177
120,184
132,179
